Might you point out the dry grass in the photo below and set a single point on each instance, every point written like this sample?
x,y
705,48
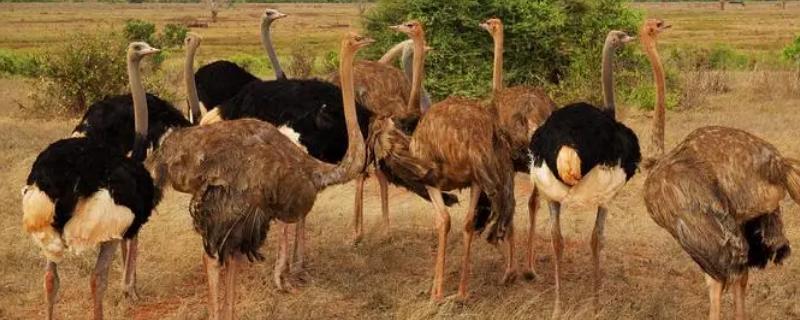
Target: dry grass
x,y
647,275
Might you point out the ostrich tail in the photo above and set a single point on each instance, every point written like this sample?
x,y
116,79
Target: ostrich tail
x,y
404,178
389,147
793,179
483,212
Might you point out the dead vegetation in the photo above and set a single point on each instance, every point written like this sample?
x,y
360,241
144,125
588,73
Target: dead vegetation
x,y
387,277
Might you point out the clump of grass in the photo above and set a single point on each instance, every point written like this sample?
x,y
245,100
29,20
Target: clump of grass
x,y
19,64
255,64
301,63
768,84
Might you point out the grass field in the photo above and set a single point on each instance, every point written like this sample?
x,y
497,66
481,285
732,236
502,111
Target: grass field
x,y
388,276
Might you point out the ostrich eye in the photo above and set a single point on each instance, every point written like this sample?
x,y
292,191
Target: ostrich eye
x,y
137,47
410,25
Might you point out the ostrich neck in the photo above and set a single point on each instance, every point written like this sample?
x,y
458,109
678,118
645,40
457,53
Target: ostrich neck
x,y
139,110
497,73
355,158
417,75
608,78
392,53
408,69
661,104
191,87
266,41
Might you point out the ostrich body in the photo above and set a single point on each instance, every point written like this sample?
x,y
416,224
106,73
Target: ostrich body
x,y
383,88
219,81
718,194
233,204
581,158
475,156
81,193
519,111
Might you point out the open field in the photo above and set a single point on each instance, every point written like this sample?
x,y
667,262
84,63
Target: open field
x,y
388,276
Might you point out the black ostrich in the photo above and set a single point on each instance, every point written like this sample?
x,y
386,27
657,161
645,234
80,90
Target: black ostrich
x,y
81,193
110,121
219,81
581,157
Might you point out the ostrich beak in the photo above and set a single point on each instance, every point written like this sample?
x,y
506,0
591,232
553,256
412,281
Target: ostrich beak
x,y
150,51
627,39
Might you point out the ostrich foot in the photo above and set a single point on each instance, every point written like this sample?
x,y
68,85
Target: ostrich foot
x,y
509,277
130,294
556,310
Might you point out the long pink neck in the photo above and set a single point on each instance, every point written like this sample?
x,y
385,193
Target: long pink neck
x,y
497,72
659,117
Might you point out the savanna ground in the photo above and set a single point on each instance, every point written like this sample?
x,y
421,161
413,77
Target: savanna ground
x,y
647,276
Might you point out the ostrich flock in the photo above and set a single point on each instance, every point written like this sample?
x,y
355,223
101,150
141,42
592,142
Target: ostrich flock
x,y
264,149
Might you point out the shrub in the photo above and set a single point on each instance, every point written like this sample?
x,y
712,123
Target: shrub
x,y
302,62
139,30
792,51
86,68
173,36
255,64
18,64
717,57
548,41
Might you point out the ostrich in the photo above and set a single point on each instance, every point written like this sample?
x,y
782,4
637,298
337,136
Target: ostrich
x,y
80,194
519,110
405,50
475,156
110,121
384,88
581,158
233,204
219,81
718,194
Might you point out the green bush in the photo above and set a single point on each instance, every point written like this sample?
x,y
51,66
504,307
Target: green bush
x,y
255,64
792,51
555,42
717,57
173,36
18,64
139,30
85,69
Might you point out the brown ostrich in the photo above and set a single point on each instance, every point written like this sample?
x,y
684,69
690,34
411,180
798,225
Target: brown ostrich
x,y
233,204
386,92
520,110
718,194
477,156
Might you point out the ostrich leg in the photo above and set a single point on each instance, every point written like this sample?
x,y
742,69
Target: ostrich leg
x,y
230,290
384,191
533,206
443,228
51,283
129,253
299,253
358,218
555,234
212,272
715,297
597,246
739,295
99,280
282,263
469,233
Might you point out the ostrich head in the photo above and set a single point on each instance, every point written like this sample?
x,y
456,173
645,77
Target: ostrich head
x,y
272,15
652,27
618,38
412,28
138,50
493,25
192,40
353,41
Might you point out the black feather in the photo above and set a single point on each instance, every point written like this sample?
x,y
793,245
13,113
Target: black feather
x,y
312,108
597,137
73,169
765,240
111,122
219,81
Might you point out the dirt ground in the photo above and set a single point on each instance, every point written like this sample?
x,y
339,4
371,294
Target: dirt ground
x,y
387,276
